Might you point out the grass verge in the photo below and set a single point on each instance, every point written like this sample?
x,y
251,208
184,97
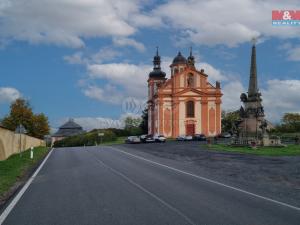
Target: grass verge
x,y
290,150
16,168
119,140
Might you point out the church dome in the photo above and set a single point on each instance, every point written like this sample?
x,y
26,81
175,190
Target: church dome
x,y
179,59
157,74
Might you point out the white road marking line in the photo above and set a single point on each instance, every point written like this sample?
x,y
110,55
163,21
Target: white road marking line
x,y
177,211
10,207
209,180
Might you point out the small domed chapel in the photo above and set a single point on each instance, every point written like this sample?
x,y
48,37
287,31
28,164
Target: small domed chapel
x,y
185,104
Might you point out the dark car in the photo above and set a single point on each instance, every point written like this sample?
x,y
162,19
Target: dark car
x,y
199,137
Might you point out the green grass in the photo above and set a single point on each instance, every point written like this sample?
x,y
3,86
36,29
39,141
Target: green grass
x,y
15,167
119,140
290,150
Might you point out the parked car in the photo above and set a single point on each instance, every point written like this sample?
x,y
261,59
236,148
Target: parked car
x,y
199,137
181,138
184,138
132,140
188,138
147,138
160,138
224,135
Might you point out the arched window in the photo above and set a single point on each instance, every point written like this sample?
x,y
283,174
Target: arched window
x,y
190,109
190,80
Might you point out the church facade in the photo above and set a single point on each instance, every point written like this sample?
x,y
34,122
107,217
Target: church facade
x,y
184,104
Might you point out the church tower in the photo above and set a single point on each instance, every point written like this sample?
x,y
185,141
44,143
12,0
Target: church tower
x,y
156,78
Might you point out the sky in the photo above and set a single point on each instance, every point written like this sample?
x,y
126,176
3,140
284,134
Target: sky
x,y
90,59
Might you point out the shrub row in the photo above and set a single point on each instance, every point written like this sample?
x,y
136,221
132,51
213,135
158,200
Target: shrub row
x,y
92,138
86,139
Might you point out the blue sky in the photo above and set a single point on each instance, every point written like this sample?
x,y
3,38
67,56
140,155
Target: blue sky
x,y
85,58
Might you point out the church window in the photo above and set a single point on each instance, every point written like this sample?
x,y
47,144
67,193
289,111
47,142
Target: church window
x,y
190,109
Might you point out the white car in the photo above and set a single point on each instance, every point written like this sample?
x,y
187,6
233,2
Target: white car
x,y
133,140
184,138
188,138
159,138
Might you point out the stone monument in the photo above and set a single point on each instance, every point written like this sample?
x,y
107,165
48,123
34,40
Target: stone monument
x,y
252,126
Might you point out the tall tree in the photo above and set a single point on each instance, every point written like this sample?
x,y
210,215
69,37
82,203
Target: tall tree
x,y
40,125
144,122
20,113
131,122
228,120
37,125
132,125
291,122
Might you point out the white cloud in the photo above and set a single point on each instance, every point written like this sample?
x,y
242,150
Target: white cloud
x,y
230,22
84,58
104,54
281,96
213,73
8,94
121,41
90,123
107,94
231,95
76,58
68,23
133,78
294,53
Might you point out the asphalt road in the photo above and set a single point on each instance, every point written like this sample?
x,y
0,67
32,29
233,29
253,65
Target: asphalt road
x,y
107,185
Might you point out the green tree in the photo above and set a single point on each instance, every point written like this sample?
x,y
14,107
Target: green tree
x,y
40,125
37,125
131,122
20,113
290,122
132,125
144,122
228,120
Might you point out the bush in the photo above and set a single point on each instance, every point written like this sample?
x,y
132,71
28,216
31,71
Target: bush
x,y
87,139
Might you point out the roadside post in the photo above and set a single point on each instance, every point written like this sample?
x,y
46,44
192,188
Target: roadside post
x,y
20,130
31,152
100,135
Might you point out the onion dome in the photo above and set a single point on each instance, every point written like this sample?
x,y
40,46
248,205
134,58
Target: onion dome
x,y
157,72
179,59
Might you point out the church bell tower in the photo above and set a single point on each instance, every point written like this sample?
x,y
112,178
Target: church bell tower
x,y
156,78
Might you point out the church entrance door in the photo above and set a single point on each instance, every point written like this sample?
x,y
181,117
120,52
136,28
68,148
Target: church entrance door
x,y
190,129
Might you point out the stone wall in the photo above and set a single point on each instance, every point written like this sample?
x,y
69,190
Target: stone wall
x,y
10,143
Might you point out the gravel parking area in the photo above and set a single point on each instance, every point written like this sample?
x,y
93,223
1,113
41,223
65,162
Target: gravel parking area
x,y
277,177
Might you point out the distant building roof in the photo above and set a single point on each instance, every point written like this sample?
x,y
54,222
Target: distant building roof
x,y
70,128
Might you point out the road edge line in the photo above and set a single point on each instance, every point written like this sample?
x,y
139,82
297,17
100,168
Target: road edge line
x,y
209,180
12,204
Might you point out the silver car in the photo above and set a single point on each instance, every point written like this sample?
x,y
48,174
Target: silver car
x,y
133,140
